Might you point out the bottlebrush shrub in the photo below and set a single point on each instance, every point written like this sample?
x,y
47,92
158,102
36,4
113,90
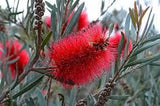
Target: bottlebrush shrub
x,y
82,56
83,21
13,51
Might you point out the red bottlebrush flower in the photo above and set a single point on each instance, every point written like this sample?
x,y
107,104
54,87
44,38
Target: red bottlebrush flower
x,y
13,51
83,20
44,92
115,39
82,56
48,22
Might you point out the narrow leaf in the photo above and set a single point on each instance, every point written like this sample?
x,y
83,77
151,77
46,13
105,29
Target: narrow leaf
x,y
16,13
119,97
102,5
143,60
120,47
132,17
146,26
41,99
149,26
53,23
135,12
28,87
73,20
12,61
91,100
49,4
72,98
151,39
111,28
141,17
127,26
148,45
45,41
73,7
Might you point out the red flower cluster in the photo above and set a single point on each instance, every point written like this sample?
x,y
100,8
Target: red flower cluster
x,y
115,39
13,51
82,56
82,21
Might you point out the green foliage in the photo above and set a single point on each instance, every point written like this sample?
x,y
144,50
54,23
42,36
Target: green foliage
x,y
136,73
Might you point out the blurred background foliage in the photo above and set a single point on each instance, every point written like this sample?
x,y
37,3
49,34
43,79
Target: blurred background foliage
x,y
137,84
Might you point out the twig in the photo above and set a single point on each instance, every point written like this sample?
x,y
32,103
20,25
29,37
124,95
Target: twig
x,y
49,89
108,7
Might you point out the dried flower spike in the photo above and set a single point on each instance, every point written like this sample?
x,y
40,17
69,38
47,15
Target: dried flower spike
x,y
13,51
39,11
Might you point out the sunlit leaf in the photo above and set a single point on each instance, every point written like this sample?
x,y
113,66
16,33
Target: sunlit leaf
x,y
45,41
141,17
135,12
132,17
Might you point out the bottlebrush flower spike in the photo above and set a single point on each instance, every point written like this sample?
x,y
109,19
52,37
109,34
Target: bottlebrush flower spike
x,y
82,56
13,51
115,39
83,20
48,22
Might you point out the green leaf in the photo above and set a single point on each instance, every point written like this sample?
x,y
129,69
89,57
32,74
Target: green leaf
x,y
119,97
111,26
12,61
151,39
72,98
146,60
149,26
73,7
135,12
127,26
53,23
29,102
155,64
46,40
91,100
102,5
28,87
146,46
61,97
141,17
49,4
121,44
147,23
132,17
41,99
73,20
16,13
120,48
